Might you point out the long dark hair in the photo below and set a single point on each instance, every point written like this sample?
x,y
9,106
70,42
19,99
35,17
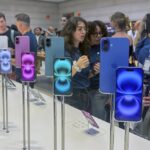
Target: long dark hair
x,y
102,27
146,26
67,33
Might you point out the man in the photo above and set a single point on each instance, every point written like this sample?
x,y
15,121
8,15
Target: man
x,y
23,25
6,31
41,45
11,34
63,22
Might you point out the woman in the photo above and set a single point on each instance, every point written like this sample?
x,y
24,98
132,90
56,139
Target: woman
x,y
119,21
76,47
96,30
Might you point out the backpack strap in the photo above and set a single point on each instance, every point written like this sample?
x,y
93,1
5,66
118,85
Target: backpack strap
x,y
12,33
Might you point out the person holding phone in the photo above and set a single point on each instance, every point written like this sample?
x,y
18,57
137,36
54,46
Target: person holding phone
x,y
96,30
76,47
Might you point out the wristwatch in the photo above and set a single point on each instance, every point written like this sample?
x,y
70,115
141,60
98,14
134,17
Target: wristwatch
x,y
76,66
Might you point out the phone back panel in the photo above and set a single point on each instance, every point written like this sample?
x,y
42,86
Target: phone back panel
x,y
54,49
116,56
3,42
22,45
128,95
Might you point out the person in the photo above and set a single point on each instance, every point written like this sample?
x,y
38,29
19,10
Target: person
x,y
23,25
76,47
96,30
11,34
142,52
63,22
7,31
41,47
119,22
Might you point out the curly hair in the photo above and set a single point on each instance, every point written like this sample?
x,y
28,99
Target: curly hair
x,y
67,33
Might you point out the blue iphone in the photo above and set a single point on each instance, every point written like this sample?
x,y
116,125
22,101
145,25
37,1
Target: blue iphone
x,y
5,61
62,76
128,101
114,53
54,48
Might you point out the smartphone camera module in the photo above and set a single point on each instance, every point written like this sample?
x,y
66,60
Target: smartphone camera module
x,y
105,45
17,40
48,42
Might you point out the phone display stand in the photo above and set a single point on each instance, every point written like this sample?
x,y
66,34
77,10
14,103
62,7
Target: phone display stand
x,y
62,122
38,99
92,128
5,102
10,84
26,107
112,123
112,128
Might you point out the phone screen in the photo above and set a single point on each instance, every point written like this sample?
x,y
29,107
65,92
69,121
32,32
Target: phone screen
x,y
28,66
5,61
62,76
129,87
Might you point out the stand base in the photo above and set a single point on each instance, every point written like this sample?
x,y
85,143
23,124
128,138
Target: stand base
x,y
91,131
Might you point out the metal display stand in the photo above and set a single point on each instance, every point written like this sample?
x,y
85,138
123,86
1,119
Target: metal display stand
x,y
24,92
62,123
112,128
5,102
126,137
112,124
55,122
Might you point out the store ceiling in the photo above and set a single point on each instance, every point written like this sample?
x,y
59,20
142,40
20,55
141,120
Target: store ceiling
x,y
57,1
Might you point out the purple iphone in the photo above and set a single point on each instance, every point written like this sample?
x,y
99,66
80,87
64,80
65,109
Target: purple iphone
x,y
28,66
22,45
90,119
5,61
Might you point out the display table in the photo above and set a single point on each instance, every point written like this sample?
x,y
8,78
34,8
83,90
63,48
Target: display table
x,y
42,128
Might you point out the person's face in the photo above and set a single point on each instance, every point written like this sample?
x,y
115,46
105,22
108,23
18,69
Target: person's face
x,y
63,21
2,24
19,26
80,33
96,36
37,31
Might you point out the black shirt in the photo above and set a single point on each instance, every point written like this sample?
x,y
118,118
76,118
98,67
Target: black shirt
x,y
11,43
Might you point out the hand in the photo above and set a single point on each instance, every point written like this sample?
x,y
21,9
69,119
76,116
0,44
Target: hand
x,y
83,62
146,101
96,68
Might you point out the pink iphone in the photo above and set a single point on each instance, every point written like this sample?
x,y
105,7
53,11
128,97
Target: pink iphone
x,y
22,45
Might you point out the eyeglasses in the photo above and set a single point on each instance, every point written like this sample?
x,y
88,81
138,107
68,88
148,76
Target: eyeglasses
x,y
98,34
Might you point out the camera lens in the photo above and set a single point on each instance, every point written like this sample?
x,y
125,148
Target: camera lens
x,y
48,42
106,45
17,40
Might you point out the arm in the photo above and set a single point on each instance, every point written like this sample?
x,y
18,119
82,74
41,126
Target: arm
x,y
146,101
80,64
96,70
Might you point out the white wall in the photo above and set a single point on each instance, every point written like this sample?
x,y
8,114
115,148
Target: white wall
x,y
36,10
90,9
103,9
